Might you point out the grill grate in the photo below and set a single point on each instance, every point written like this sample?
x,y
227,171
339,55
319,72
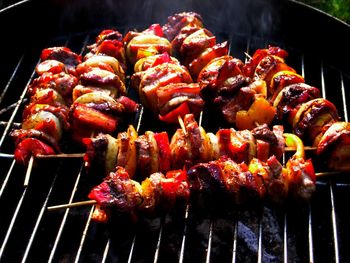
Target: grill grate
x,y
312,232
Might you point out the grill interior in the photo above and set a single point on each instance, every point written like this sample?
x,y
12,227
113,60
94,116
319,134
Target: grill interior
x,y
314,232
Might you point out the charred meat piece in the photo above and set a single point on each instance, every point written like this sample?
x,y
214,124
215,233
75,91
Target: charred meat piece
x,y
222,75
290,99
334,146
176,96
159,76
64,55
250,67
180,20
312,117
268,67
108,42
119,192
191,147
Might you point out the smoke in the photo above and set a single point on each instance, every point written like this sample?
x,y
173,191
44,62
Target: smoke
x,y
257,17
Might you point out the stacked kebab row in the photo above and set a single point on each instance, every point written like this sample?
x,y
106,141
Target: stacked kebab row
x,y
99,99
248,95
230,162
164,85
46,117
240,166
263,90
74,95
155,152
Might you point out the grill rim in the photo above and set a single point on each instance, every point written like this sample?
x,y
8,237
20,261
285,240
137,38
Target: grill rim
x,y
259,257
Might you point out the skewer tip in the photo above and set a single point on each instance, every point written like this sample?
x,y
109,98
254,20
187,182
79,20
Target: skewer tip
x,y
29,171
182,125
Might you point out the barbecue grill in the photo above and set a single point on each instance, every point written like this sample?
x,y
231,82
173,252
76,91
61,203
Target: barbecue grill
x,y
298,232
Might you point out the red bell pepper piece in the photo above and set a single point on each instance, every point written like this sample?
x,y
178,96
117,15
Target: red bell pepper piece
x,y
31,146
155,29
162,140
94,118
172,116
163,58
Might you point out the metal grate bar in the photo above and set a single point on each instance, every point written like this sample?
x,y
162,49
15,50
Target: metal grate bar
x,y
13,220
260,237
83,236
210,238
105,252
14,124
285,238
64,219
156,253
21,98
333,213
4,183
323,85
311,246
12,106
334,225
344,97
38,221
10,80
234,245
7,129
131,249
183,242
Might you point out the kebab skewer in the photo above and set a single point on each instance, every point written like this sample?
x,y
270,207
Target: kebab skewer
x,y
99,98
163,84
46,116
315,120
156,152
263,90
238,183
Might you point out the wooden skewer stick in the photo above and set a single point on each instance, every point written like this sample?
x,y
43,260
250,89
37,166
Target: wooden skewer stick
x,y
247,55
61,155
93,202
81,155
29,171
181,122
306,148
76,204
325,174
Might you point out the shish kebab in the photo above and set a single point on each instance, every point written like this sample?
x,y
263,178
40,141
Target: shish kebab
x,y
75,95
237,183
246,170
263,90
145,59
191,144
